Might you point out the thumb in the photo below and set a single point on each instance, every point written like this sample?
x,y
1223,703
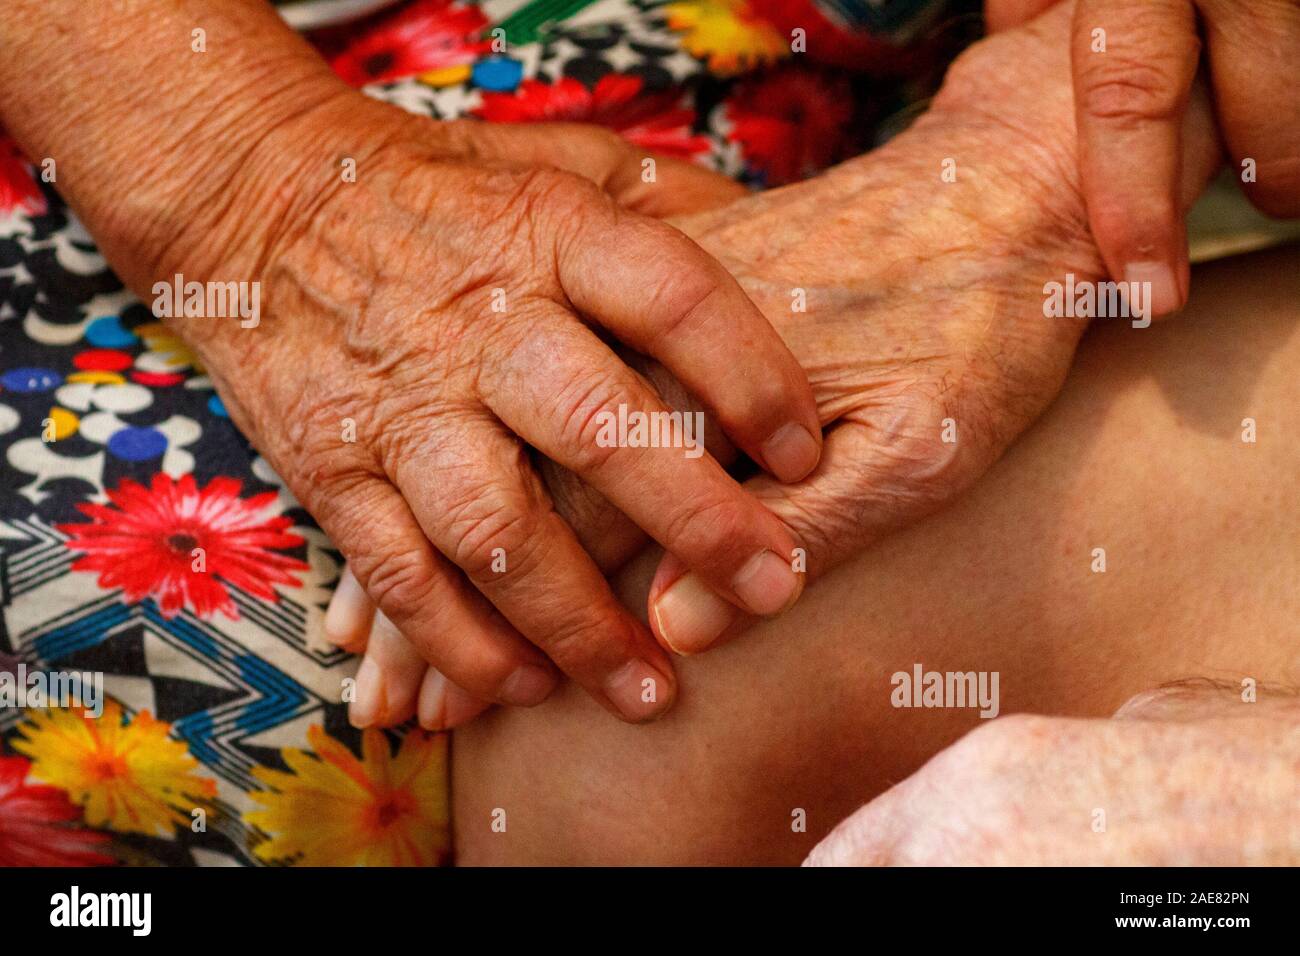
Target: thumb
x,y
645,181
882,468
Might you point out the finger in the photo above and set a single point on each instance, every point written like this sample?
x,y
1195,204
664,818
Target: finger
x,y
1004,14
491,516
428,600
349,615
662,295
642,180
1133,67
877,473
596,417
388,679
398,667
1253,49
443,705
608,535
662,186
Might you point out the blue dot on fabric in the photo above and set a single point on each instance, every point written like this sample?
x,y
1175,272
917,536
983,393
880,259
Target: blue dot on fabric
x,y
137,444
217,407
31,379
500,74
106,332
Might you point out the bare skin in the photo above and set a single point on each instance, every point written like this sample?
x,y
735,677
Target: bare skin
x,y
1196,773
1141,455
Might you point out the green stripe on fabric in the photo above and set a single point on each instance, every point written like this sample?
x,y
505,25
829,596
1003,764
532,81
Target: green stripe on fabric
x,y
525,25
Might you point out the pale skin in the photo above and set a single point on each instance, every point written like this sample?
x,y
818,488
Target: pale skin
x,y
1182,776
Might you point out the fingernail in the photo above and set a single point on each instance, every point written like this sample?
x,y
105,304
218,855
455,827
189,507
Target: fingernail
x,y
443,705
528,686
689,616
639,691
767,584
1160,287
348,613
791,452
370,691
432,701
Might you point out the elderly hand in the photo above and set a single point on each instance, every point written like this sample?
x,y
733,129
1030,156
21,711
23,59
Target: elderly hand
x,y
436,298
1133,66
915,301
1188,776
916,307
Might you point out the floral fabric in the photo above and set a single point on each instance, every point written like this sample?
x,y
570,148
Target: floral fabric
x,y
224,736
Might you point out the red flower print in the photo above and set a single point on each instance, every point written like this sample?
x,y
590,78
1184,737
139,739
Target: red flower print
x,y
18,190
146,544
428,35
37,824
656,121
790,123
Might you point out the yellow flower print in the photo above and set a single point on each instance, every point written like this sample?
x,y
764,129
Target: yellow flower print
x,y
726,34
130,777
336,810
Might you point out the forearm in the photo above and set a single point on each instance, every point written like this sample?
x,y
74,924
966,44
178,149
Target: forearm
x,y
146,125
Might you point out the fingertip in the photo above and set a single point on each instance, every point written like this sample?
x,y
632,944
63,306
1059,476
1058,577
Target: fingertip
x,y
791,453
640,692
689,616
445,706
528,686
349,614
1161,288
431,704
368,702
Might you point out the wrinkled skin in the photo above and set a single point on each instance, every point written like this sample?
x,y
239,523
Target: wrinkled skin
x,y
405,444
924,311
1133,66
1187,776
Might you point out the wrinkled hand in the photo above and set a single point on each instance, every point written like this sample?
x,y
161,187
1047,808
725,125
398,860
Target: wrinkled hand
x,y
436,299
1133,67
395,681
914,305
1183,777
923,328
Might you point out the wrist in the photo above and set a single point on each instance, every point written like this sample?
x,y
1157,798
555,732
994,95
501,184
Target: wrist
x,y
148,109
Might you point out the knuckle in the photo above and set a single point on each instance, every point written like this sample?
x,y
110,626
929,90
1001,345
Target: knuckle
x,y
396,578
581,405
683,291
1276,189
548,196
600,143
924,453
1129,90
487,526
583,641
708,526
1010,740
